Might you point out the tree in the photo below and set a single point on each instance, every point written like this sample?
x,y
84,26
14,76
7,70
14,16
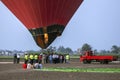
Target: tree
x,y
61,49
95,51
86,47
103,52
51,49
68,50
115,49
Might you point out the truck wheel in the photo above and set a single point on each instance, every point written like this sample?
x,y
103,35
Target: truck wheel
x,y
85,61
89,61
102,62
106,61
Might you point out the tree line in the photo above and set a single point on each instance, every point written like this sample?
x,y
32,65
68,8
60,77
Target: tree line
x,y
115,50
85,47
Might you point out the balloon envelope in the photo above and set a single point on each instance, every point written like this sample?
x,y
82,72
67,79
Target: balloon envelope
x,y
45,19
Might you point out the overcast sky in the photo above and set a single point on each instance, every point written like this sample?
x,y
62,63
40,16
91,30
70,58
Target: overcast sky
x,y
96,22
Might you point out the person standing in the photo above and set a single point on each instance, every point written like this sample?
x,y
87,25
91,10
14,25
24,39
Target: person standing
x,y
18,58
40,58
15,58
67,57
50,58
44,58
31,57
36,58
26,58
60,58
54,58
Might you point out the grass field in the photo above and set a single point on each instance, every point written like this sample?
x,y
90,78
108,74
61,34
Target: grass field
x,y
101,70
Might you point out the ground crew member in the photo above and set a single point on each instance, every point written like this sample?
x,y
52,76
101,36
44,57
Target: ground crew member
x,y
31,57
36,58
67,57
26,58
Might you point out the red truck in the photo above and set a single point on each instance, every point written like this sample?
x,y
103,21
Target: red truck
x,y
88,57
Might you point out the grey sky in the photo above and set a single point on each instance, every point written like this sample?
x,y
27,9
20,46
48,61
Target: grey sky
x,y
96,22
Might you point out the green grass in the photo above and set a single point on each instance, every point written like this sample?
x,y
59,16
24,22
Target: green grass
x,y
101,70
6,57
75,56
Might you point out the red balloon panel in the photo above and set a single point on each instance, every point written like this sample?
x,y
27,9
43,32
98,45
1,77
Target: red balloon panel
x,y
43,13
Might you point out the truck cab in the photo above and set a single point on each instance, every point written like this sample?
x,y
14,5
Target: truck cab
x,y
85,57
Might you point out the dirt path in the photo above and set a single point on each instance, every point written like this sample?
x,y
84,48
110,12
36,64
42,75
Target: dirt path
x,y
9,71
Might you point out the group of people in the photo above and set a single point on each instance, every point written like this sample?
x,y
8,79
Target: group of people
x,y
33,61
55,58
47,58
36,60
16,59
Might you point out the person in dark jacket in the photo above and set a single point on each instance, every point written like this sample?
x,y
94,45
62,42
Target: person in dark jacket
x,y
15,58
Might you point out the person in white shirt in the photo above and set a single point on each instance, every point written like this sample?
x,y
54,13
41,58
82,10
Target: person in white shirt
x,y
18,58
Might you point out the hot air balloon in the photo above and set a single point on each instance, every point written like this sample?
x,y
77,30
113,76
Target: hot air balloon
x,y
45,19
